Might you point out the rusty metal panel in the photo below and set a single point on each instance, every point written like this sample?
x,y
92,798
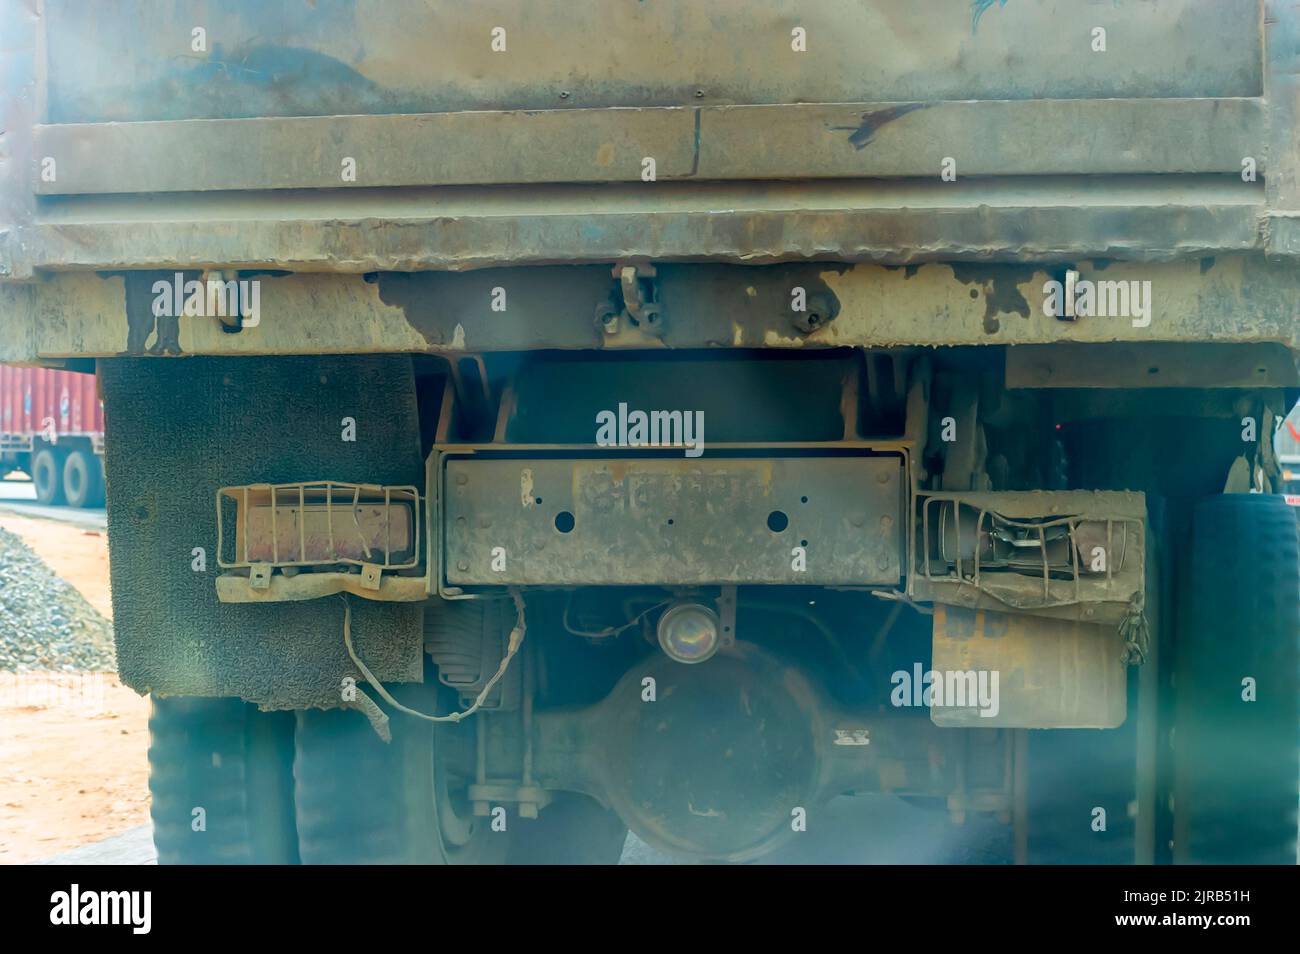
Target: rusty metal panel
x,y
673,521
1245,299
609,145
895,222
1156,365
1282,86
984,138
1051,674
127,60
947,73
571,145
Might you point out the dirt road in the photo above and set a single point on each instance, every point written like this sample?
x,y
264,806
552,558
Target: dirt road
x,y
72,746
72,762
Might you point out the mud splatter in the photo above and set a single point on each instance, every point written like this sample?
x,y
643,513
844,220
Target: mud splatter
x,y
862,134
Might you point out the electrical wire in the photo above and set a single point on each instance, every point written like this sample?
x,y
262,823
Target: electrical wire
x,y
609,630
516,640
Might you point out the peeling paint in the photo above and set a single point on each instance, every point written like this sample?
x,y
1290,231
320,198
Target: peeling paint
x,y
773,339
526,488
1000,285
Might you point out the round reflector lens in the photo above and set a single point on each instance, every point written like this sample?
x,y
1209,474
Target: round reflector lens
x,y
688,632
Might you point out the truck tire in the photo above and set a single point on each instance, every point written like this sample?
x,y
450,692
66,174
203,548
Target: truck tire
x,y
1237,761
223,757
1071,774
363,801
47,475
83,480
572,830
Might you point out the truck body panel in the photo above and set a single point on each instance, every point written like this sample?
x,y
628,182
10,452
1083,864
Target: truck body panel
x,y
270,111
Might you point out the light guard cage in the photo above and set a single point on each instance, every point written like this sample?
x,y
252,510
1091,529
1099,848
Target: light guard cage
x,y
319,523
1054,545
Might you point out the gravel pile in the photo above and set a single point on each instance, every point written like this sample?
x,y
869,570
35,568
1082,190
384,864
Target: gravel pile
x,y
45,624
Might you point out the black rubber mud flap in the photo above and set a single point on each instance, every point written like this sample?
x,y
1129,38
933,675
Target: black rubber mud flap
x,y
361,800
220,773
1237,734
572,830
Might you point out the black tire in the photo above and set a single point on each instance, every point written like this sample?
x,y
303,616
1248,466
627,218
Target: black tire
x,y
363,801
1072,773
235,763
47,475
1237,762
572,830
83,480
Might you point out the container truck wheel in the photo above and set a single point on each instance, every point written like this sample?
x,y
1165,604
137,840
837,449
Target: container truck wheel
x,y
1237,734
47,475
83,480
361,800
220,774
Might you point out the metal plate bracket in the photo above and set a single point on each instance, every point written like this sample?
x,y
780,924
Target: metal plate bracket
x,y
830,521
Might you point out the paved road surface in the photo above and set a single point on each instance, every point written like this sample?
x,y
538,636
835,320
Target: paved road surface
x,y
133,847
19,496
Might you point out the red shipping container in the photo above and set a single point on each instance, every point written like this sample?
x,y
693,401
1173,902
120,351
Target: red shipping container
x,y
35,399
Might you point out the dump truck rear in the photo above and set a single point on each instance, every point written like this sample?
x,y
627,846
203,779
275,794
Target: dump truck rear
x,y
526,423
